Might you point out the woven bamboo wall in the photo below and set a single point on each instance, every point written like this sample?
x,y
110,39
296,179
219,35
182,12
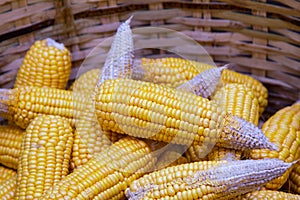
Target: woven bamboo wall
x,y
260,37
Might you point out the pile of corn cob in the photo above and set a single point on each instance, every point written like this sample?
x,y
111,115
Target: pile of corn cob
x,y
184,130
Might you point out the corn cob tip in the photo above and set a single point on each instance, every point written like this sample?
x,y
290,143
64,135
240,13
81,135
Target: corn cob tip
x,y
295,161
224,67
53,43
245,133
125,26
205,83
129,20
120,56
228,66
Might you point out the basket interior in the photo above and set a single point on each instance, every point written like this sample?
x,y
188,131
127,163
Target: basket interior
x,y
260,38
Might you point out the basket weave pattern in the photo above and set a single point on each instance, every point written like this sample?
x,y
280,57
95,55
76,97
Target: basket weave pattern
x,y
262,38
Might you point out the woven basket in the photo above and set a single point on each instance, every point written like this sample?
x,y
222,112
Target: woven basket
x,y
262,38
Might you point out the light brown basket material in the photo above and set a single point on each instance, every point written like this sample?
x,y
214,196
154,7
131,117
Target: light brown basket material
x,y
261,37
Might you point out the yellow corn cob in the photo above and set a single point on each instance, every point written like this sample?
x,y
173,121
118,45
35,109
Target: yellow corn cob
x,y
107,174
84,146
46,63
22,105
240,101
6,173
294,178
8,181
175,71
10,145
172,72
260,91
88,137
148,110
283,129
86,82
45,156
269,194
206,179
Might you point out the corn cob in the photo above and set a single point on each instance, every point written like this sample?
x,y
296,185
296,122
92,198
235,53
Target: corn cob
x,y
6,173
240,101
85,147
88,137
269,194
22,105
45,156
283,129
294,178
172,72
175,71
207,179
10,145
107,174
260,91
148,110
86,82
120,56
205,83
8,181
46,63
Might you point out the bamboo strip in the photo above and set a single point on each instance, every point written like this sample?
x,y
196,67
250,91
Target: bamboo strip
x,y
158,14
289,48
26,20
287,33
205,22
290,63
274,82
259,41
3,2
20,13
8,78
264,7
216,37
257,63
11,66
291,80
5,7
255,20
291,3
